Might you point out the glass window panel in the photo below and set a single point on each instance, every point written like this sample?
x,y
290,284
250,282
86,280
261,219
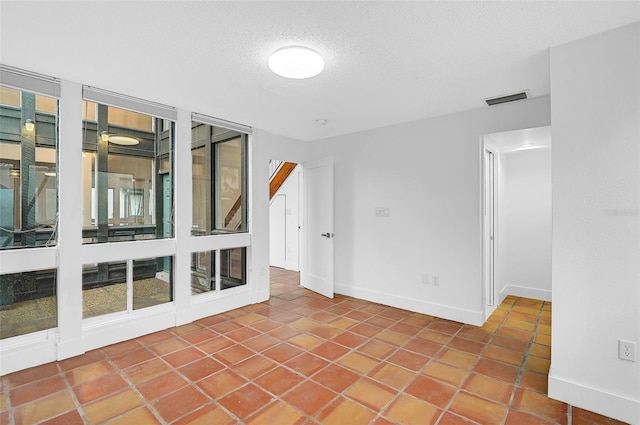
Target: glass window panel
x,y
203,272
219,185
28,169
89,111
233,268
152,282
104,288
28,302
127,184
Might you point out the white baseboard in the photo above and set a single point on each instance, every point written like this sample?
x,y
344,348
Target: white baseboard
x,y
594,400
433,309
525,292
27,351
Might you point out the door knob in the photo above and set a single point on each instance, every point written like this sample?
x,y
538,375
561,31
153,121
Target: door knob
x,y
327,235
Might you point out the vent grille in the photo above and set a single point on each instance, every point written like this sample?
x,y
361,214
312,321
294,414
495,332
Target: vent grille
x,y
507,98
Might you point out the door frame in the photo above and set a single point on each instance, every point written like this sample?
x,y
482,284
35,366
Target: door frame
x,y
489,210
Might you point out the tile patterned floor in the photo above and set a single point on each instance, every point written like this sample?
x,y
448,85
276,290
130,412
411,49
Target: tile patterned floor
x,y
303,359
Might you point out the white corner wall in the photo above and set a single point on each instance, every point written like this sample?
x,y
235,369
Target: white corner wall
x,y
527,223
595,104
428,174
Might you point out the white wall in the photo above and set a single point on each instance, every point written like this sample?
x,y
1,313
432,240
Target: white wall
x,y
527,223
428,174
284,209
595,103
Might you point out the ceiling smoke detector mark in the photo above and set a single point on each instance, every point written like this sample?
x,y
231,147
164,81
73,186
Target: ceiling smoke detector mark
x,y
521,95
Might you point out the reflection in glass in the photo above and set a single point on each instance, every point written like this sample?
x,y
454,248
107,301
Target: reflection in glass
x,y
152,282
28,302
104,288
218,158
232,269
28,169
127,188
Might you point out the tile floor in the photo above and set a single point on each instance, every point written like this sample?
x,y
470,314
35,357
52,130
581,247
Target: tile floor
x,y
303,359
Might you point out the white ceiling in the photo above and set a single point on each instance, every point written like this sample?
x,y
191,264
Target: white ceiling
x,y
386,62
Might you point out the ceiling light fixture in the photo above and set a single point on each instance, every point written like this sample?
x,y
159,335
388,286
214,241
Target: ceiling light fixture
x,y
296,62
118,139
29,125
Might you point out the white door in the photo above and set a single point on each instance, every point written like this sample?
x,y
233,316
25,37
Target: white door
x,y
278,231
317,259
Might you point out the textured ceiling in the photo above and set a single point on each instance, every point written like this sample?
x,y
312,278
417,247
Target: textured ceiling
x,y
386,62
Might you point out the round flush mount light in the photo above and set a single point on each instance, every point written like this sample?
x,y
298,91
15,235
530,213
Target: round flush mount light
x,y
296,62
117,139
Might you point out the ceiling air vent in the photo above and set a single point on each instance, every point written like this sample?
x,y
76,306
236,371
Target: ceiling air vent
x,y
508,98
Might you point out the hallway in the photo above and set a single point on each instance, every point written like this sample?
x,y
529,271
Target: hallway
x,y
300,358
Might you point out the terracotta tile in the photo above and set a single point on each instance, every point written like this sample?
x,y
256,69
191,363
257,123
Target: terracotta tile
x,y
3,401
381,322
276,413
261,342
370,394
282,352
199,336
225,327
234,354
477,409
284,332
475,333
358,315
392,375
432,391
502,354
350,339
162,385
168,346
185,329
145,371
109,407
344,411
343,323
324,317
515,417
336,378
31,375
339,310
443,326
418,319
437,337
393,338
423,346
457,358
306,341
215,344
121,347
211,321
266,325
519,324
498,370
584,417
221,383
445,373
88,372
201,368
407,410
538,364
69,418
156,337
208,415
394,314
138,416
462,344
43,408
89,357
540,350
515,333
540,405
408,359
330,350
279,380
488,387
365,329
525,317
534,381
451,419
405,328
326,331
378,349
309,397
183,357
253,367
358,362
179,403
510,343
543,339
98,388
36,390
245,401
306,364
242,334
248,319
131,358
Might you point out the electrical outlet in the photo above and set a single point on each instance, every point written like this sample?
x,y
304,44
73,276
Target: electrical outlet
x,y
436,280
627,350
